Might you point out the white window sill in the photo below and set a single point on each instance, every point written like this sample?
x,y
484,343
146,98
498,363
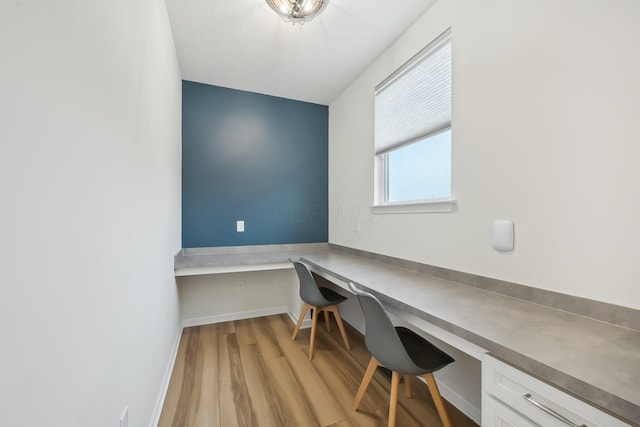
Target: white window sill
x,y
426,206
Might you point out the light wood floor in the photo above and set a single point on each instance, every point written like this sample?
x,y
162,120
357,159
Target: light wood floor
x,y
250,373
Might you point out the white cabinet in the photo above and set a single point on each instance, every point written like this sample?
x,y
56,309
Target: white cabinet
x,y
512,398
497,414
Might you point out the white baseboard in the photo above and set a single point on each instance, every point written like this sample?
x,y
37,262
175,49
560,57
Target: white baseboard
x,y
228,317
157,410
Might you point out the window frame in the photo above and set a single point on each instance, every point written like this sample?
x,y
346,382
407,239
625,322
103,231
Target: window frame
x,y
381,156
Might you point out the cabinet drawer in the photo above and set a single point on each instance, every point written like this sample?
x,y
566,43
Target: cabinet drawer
x,y
537,401
497,414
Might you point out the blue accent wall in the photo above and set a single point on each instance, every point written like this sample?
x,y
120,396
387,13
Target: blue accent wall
x,y
256,158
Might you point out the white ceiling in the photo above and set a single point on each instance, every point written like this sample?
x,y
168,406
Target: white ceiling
x,y
243,44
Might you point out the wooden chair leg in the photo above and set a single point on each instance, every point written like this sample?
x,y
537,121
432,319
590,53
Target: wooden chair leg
x,y
371,369
336,313
437,399
314,323
305,307
393,399
407,386
326,318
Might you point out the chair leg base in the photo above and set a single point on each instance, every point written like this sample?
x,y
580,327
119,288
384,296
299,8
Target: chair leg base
x,y
314,320
371,369
393,397
305,307
437,399
343,332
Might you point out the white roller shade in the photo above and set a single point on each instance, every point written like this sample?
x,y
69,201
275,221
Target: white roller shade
x,y
415,101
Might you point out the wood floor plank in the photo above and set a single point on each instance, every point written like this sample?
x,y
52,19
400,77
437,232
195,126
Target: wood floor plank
x,y
266,338
261,388
325,408
297,409
244,332
227,404
250,373
344,423
244,406
196,357
203,411
343,387
188,378
226,328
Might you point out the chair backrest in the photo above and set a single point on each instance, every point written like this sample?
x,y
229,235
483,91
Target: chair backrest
x,y
309,291
380,335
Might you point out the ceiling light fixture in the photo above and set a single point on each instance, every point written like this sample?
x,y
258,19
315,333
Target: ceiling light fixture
x,y
297,11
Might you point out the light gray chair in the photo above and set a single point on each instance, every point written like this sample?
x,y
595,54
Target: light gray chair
x,y
400,350
317,299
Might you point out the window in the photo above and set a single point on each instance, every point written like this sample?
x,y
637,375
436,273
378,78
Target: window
x,y
413,133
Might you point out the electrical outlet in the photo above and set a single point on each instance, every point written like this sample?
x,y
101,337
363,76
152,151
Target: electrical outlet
x,y
240,226
124,418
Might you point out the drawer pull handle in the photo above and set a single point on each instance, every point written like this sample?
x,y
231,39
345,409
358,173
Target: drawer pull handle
x,y
550,411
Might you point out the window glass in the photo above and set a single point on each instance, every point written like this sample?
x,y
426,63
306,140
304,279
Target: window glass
x,y
420,171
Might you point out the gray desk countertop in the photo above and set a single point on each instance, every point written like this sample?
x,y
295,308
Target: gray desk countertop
x,y
196,261
596,361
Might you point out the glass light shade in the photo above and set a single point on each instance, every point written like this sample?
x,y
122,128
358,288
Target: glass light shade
x,y
297,11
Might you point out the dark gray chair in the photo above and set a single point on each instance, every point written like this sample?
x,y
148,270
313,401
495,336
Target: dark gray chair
x,y
317,299
400,350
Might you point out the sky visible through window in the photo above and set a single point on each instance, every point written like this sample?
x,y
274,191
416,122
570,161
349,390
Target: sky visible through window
x,y
421,170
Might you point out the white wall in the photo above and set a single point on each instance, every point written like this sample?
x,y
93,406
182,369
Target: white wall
x,y
90,210
216,298
546,101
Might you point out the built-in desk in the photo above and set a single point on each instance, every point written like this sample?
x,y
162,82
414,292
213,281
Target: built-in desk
x,y
598,362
